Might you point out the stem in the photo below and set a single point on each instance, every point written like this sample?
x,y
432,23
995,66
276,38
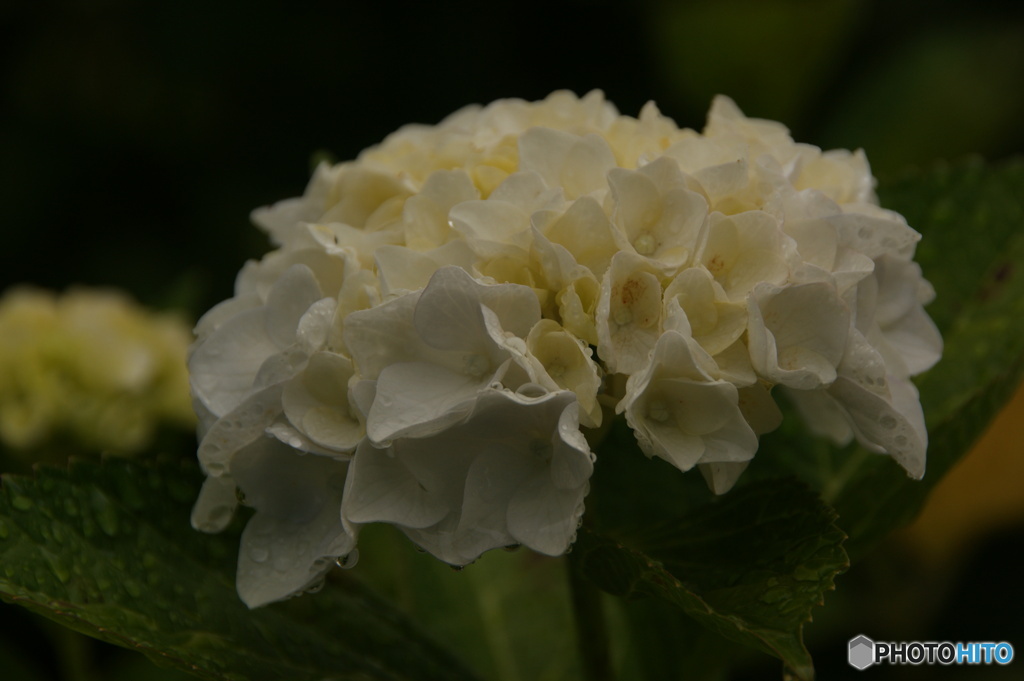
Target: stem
x,y
591,627
838,480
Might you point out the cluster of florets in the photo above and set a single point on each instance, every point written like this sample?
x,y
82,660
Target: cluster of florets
x,y
88,371
445,317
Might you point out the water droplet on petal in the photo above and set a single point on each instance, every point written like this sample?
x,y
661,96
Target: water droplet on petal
x,y
348,561
215,468
259,554
887,421
282,562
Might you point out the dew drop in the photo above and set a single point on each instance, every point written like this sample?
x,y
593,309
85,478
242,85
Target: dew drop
x,y
282,562
259,554
457,568
216,519
315,587
512,547
887,421
901,440
215,468
349,560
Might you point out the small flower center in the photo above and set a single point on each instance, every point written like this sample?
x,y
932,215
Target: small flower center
x,y
645,244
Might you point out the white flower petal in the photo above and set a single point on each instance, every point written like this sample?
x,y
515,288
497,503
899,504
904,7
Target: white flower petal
x,y
880,425
681,414
722,475
239,428
297,530
416,399
628,313
224,366
797,334
543,518
316,403
576,164
216,504
381,488
289,299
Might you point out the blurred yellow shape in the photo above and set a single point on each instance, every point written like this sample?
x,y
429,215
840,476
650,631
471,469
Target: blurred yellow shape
x,y
89,371
983,492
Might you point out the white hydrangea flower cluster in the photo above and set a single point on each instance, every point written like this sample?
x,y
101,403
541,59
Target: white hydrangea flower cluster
x,y
443,315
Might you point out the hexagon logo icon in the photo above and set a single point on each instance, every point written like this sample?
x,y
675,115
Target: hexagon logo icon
x,y
862,652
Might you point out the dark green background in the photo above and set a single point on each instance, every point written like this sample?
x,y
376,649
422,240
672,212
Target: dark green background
x,y
135,137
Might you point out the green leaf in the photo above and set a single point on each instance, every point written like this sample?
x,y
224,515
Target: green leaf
x,y
749,566
972,251
967,214
108,550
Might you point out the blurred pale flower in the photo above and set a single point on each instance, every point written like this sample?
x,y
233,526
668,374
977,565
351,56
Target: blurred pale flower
x,y
90,369
444,314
